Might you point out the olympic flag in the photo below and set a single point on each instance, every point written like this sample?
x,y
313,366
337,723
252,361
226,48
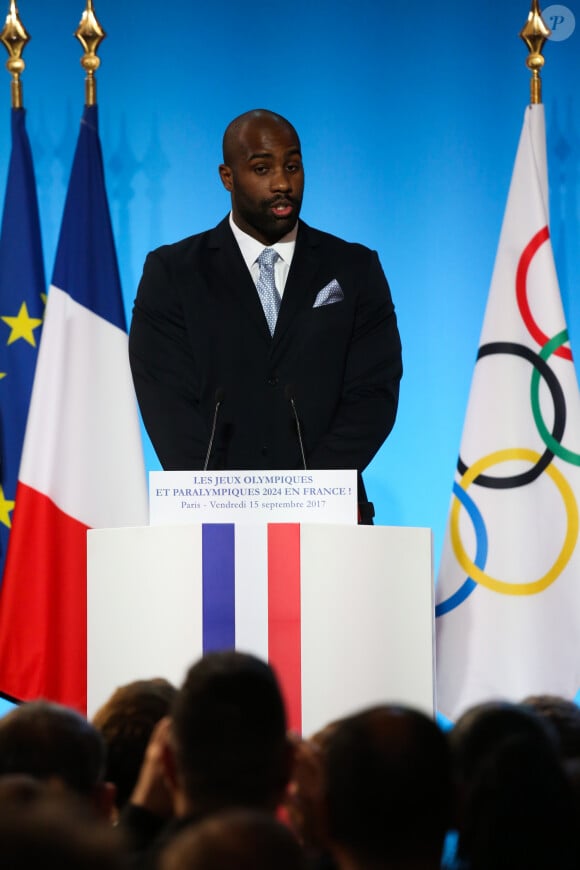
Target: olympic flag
x,y
508,591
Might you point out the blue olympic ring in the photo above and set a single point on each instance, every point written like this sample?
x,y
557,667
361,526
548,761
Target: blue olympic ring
x,y
469,585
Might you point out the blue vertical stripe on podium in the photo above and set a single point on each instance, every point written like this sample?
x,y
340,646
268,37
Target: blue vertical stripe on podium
x,y
219,605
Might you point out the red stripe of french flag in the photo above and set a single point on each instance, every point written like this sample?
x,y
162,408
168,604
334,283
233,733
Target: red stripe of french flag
x,y
284,623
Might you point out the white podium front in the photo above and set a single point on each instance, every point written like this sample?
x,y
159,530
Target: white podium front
x,y
344,613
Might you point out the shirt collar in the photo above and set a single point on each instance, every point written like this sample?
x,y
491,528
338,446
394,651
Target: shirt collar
x,y
251,248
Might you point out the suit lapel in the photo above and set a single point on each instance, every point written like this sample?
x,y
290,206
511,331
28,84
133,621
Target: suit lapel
x,y
299,285
227,270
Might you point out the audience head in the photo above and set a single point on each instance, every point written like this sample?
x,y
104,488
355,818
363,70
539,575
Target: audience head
x,y
126,722
564,716
389,790
517,804
482,728
235,840
52,742
41,826
229,744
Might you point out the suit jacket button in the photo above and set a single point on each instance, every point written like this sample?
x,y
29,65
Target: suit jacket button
x,y
264,450
273,381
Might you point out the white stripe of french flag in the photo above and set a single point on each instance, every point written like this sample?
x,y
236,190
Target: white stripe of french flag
x,y
251,599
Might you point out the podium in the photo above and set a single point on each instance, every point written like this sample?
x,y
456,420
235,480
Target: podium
x,y
344,614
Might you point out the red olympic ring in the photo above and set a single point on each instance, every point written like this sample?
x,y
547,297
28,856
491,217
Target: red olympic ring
x,y
528,255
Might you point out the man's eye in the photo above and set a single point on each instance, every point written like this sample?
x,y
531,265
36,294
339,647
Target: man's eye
x,y
293,167
260,169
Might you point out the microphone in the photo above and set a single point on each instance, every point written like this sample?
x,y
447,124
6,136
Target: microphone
x,y
289,393
219,397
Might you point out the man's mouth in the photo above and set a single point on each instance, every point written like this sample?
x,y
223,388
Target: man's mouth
x,y
282,208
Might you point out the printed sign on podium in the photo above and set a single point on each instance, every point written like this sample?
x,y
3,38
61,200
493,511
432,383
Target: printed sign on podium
x,y
185,497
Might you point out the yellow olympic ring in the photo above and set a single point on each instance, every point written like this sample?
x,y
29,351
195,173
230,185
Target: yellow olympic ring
x,y
567,494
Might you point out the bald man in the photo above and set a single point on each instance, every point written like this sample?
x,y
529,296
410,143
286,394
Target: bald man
x,y
304,361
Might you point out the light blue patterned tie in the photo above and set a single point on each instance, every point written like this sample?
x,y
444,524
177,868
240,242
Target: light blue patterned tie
x,y
266,286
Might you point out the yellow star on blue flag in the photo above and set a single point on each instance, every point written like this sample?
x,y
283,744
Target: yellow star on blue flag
x,y
22,326
6,508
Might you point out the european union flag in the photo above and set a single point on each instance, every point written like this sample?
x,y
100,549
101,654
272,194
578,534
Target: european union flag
x,y
22,289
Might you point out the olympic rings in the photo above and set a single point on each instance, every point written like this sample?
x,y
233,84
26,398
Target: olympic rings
x,y
474,569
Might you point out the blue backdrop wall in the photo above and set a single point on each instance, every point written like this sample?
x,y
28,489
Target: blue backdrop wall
x,y
409,116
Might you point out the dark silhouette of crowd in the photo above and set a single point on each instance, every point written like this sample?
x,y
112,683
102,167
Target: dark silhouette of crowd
x,y
207,777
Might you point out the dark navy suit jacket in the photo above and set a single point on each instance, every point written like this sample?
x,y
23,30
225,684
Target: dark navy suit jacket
x,y
198,332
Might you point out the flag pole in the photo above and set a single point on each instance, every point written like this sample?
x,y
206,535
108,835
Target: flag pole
x,y
90,34
535,32
14,36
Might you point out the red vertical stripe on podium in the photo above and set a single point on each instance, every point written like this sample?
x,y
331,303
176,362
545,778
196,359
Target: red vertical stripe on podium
x,y
284,631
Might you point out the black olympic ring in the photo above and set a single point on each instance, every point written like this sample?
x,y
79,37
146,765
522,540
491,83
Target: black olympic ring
x,y
559,416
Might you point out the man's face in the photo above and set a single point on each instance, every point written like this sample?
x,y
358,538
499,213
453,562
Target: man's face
x,y
266,179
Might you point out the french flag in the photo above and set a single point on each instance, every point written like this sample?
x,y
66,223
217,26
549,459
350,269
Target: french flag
x,y
254,603
82,464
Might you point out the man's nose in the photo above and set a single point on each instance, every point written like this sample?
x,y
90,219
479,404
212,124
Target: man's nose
x,y
280,179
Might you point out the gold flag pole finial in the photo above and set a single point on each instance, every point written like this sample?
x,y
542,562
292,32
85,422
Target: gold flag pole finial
x,y
534,33
15,37
90,34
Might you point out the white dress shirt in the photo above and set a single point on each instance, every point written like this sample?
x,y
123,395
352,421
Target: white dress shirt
x,y
251,249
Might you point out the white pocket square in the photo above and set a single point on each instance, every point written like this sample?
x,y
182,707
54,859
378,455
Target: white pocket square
x,y
329,294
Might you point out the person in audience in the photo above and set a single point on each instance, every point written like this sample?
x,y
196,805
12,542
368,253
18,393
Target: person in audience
x,y
304,804
235,840
126,722
43,825
564,715
517,807
54,743
389,790
224,746
229,743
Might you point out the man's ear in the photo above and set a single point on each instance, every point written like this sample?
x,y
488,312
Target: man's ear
x,y
226,176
